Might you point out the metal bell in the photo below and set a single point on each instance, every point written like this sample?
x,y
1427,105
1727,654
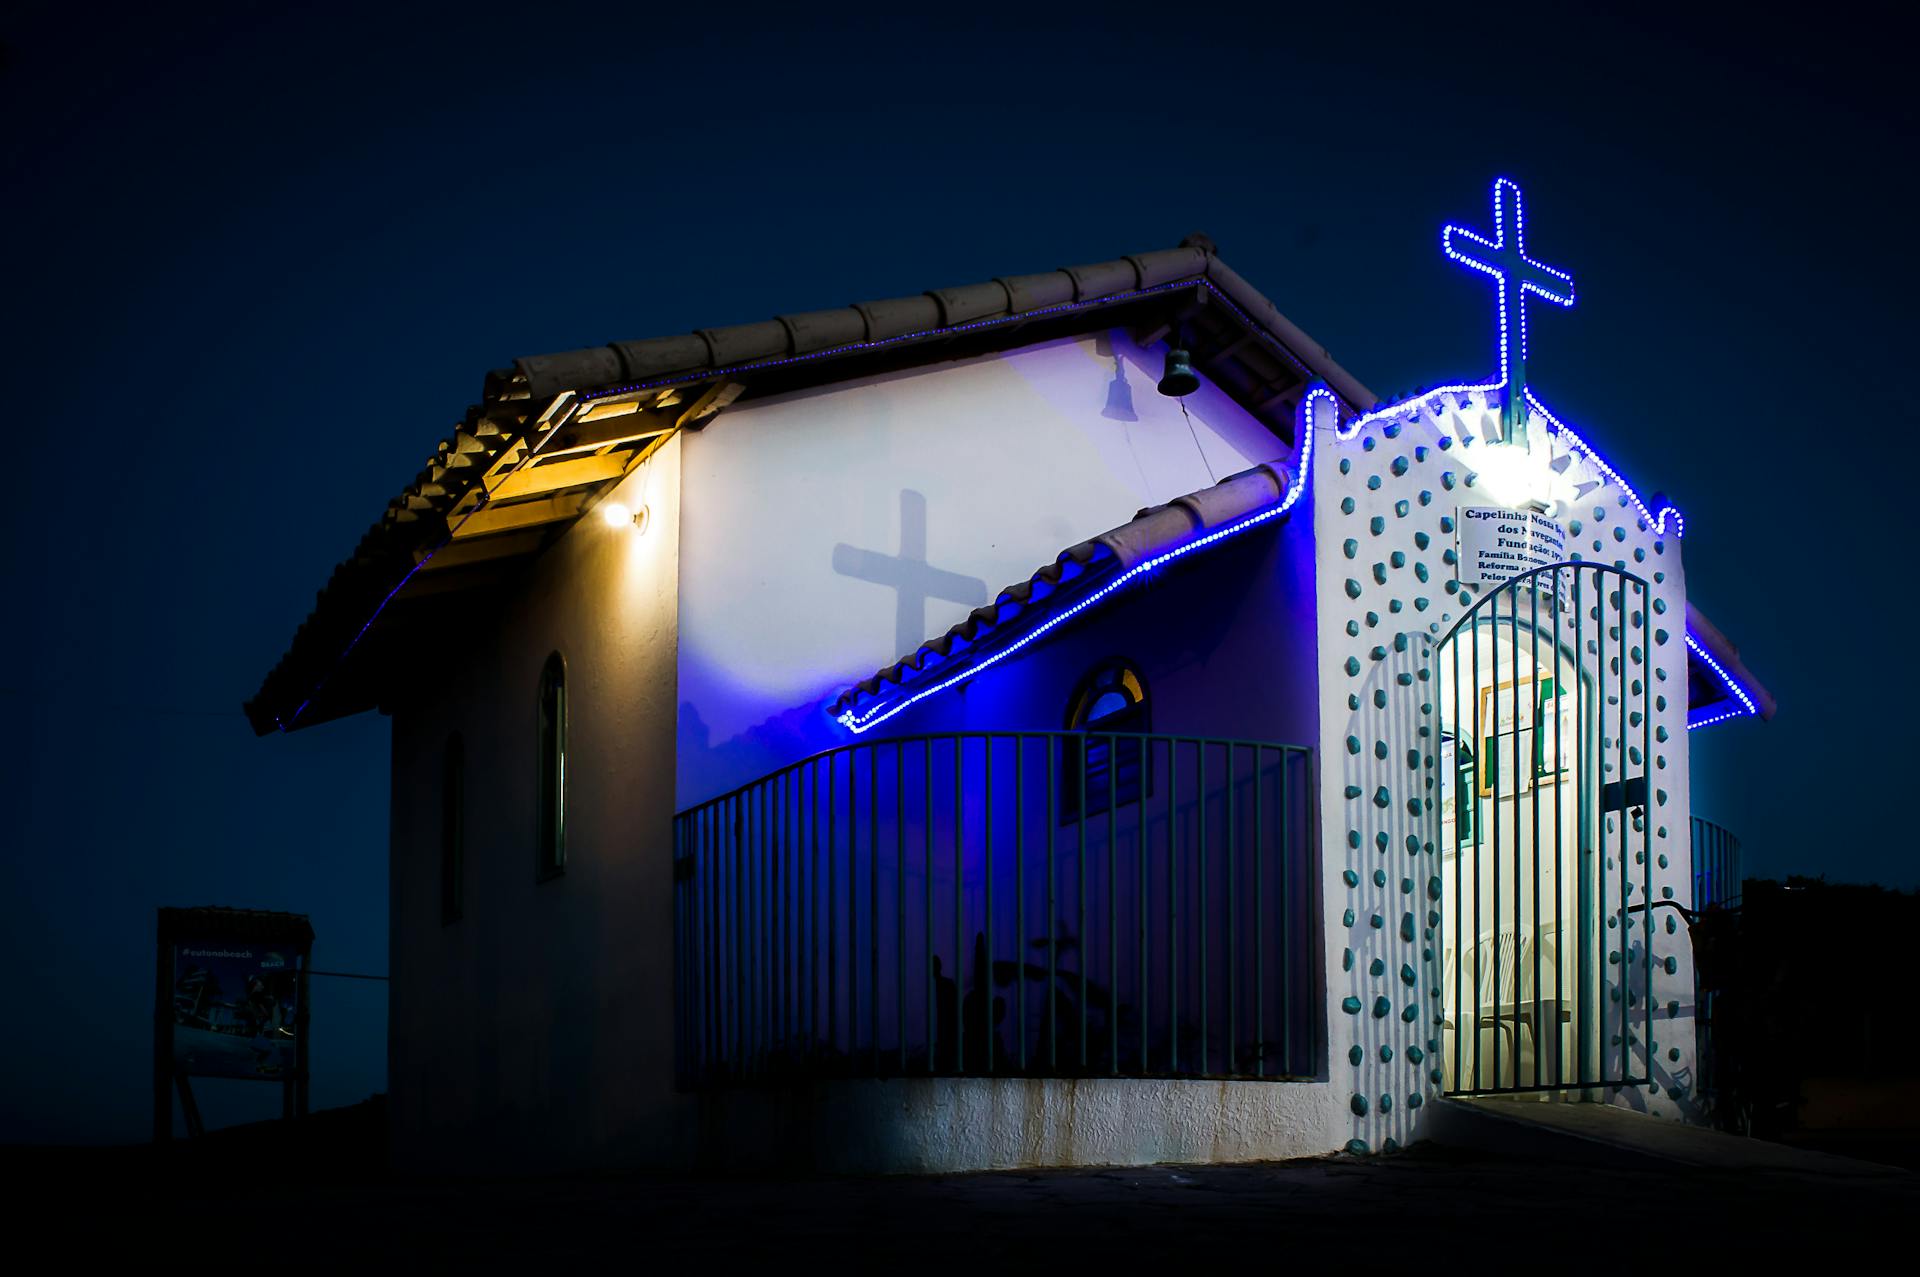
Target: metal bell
x,y
1179,379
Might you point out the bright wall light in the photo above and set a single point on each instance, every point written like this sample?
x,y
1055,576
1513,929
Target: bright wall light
x,y
615,515
1515,477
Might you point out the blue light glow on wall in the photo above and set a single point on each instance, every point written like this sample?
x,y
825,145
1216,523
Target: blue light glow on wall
x,y
1504,258
878,713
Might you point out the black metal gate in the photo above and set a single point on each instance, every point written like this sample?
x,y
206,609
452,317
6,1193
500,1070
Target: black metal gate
x,y
1545,838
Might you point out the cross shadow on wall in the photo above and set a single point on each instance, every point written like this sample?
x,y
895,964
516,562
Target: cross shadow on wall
x,y
909,574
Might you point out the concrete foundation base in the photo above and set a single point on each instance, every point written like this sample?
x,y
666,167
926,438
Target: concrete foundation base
x,y
968,1124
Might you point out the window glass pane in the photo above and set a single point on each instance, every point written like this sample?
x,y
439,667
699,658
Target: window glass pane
x,y
1111,698
453,851
552,831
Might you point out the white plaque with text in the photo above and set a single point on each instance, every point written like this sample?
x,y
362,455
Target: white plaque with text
x,y
1497,545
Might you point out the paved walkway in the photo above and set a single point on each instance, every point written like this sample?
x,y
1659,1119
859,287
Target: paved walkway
x,y
1596,1133
1537,1214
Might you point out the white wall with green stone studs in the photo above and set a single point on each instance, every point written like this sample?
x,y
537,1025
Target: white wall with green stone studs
x,y
1386,506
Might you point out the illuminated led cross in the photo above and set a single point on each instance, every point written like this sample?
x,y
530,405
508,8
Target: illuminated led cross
x,y
1505,258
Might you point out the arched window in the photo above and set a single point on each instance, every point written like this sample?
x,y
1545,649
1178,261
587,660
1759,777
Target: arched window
x,y
1111,698
453,834
551,834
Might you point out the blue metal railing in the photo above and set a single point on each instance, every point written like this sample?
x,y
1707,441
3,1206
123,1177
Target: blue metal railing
x,y
1716,866
1030,904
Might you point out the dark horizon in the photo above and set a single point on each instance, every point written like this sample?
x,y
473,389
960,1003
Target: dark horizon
x,y
259,262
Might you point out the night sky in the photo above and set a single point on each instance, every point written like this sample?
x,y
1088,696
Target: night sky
x,y
257,263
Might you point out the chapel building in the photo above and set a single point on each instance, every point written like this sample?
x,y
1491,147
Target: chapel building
x,y
1060,720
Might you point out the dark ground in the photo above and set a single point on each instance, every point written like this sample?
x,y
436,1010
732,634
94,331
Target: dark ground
x,y
237,1196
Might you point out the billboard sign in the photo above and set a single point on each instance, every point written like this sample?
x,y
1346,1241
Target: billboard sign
x,y
234,1009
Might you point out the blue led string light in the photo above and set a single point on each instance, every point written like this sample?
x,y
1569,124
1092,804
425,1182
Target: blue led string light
x,y
760,365
1727,680
1496,259
858,723
1657,523
1504,261
1410,406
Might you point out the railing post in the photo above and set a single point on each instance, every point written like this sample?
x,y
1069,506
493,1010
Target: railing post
x,y
754,868
1020,894
1173,908
986,930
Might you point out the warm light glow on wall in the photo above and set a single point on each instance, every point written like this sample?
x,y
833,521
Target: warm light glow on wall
x,y
616,514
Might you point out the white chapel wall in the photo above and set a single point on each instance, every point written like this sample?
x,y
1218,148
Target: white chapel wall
x,y
537,1031
1385,510
977,472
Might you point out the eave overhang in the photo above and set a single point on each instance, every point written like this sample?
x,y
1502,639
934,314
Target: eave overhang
x,y
554,433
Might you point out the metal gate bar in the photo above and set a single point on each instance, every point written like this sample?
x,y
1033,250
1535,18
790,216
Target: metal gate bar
x,y
1502,948
871,911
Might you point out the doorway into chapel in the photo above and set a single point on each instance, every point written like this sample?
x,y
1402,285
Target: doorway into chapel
x,y
1544,841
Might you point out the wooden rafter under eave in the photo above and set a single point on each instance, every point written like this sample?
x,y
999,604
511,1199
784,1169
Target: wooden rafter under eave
x,y
577,472
594,434
459,553
525,514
